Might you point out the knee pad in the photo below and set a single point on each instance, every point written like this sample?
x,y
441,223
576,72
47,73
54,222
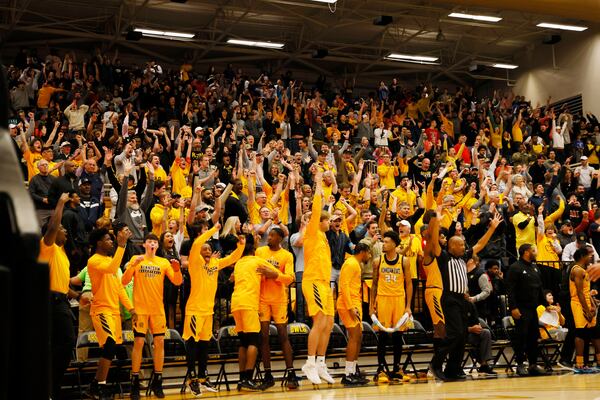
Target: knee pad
x,y
253,339
109,349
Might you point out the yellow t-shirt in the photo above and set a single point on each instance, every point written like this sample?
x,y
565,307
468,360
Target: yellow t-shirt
x,y
391,277
246,292
106,285
156,216
317,254
526,235
148,284
387,174
412,253
179,178
349,285
276,291
59,265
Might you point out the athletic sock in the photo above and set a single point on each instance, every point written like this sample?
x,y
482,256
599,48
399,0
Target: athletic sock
x,y
350,366
310,360
320,360
102,383
579,361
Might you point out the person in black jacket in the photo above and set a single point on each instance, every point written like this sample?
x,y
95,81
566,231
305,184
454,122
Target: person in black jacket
x,y
525,293
39,187
233,205
76,246
65,184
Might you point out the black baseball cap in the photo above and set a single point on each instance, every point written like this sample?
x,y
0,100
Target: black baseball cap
x,y
582,237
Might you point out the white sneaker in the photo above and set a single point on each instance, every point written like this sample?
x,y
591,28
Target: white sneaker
x,y
324,373
311,373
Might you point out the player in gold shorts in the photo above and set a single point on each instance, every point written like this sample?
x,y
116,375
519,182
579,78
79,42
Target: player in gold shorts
x,y
249,272
274,306
391,296
204,267
584,309
349,307
316,287
108,292
148,272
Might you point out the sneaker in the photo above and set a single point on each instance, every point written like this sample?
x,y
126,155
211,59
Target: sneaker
x,y
585,370
381,376
486,370
399,376
206,385
135,388
311,373
106,393
437,373
350,380
194,387
156,387
292,380
362,380
324,373
534,370
566,365
93,391
249,386
268,381
522,370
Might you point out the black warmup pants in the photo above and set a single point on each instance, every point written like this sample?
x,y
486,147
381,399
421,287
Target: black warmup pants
x,y
526,336
453,346
62,339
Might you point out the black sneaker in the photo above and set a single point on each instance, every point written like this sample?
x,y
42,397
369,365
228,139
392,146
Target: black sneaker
x,y
249,386
522,370
268,381
207,385
350,380
535,370
438,373
194,387
486,369
458,376
292,380
135,387
362,380
106,393
156,387
93,391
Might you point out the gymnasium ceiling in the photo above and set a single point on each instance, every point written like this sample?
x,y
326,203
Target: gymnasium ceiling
x,y
357,48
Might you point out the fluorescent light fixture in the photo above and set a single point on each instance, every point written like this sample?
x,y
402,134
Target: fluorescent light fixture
x,y
326,1
505,66
562,27
253,43
408,57
163,34
475,17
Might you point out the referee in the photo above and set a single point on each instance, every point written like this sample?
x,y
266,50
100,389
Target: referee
x,y
62,334
453,269
525,293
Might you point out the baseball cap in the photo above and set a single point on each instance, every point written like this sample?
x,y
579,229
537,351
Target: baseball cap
x,y
65,143
221,185
335,217
582,237
405,223
203,207
567,222
83,181
583,158
199,128
11,126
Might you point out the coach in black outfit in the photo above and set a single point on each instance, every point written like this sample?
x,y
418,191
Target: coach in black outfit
x,y
525,293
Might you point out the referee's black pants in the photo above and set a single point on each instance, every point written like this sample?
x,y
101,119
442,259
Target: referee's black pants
x,y
453,346
527,333
62,339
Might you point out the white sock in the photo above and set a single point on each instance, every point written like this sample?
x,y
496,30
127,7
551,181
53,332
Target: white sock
x,y
310,360
320,360
350,367
102,383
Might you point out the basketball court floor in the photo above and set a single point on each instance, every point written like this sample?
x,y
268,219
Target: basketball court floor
x,y
555,387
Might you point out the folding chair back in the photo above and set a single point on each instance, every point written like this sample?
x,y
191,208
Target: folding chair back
x,y
298,336
369,337
228,341
337,340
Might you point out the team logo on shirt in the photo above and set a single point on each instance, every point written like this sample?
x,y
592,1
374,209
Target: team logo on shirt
x,y
211,269
151,271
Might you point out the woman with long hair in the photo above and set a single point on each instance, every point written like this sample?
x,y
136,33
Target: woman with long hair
x,y
229,235
167,249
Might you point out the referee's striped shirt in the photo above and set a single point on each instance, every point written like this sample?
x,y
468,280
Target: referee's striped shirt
x,y
457,275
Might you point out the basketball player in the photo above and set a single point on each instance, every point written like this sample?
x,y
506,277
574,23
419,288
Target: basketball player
x,y
204,267
104,311
52,251
584,310
248,274
391,297
316,289
148,271
274,306
349,307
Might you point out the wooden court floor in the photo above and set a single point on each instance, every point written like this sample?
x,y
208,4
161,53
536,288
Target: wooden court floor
x,y
555,387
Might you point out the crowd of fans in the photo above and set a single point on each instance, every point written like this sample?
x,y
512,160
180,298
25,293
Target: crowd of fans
x,y
176,152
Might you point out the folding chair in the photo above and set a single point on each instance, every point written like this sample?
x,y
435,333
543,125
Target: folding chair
x,y
174,350
228,342
415,339
274,348
298,337
508,327
85,340
213,354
